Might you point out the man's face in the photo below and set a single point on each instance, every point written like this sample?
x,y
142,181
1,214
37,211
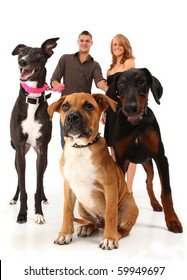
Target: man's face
x,y
85,42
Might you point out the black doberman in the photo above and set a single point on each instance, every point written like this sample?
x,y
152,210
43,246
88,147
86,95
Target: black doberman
x,y
137,136
30,124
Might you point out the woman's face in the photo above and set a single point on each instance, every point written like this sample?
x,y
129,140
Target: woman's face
x,y
117,47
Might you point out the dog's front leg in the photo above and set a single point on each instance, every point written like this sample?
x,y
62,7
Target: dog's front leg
x,y
172,221
66,232
41,165
20,168
110,236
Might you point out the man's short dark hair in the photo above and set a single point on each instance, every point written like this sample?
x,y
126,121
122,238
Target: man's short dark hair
x,y
85,32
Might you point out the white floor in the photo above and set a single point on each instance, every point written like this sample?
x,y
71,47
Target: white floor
x,y
30,244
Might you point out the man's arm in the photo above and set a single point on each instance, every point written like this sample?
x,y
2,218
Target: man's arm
x,y
102,85
58,73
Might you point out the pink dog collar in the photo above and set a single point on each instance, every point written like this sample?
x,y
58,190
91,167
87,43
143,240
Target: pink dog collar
x,y
34,90
40,90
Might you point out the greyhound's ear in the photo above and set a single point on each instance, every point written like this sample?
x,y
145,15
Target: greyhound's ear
x,y
155,86
112,90
55,107
19,49
104,101
49,45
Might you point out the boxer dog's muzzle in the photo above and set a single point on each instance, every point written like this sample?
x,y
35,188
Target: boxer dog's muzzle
x,y
76,126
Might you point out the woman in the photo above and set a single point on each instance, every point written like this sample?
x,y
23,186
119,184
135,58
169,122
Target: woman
x,y
122,59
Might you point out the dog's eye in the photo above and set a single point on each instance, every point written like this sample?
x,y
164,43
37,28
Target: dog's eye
x,y
121,86
141,82
22,52
88,106
65,107
38,55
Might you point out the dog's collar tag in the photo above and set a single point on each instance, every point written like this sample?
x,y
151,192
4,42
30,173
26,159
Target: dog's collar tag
x,y
89,144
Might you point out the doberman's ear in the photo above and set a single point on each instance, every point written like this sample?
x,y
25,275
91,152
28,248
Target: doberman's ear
x,y
55,106
155,86
112,90
104,101
49,45
156,89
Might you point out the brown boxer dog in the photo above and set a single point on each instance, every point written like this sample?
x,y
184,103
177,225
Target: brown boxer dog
x,y
90,174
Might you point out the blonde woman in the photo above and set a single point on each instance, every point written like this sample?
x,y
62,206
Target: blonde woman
x,y
122,59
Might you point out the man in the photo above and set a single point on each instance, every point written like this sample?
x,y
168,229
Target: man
x,y
78,71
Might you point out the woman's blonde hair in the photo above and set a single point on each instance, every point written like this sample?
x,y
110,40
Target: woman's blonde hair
x,y
127,46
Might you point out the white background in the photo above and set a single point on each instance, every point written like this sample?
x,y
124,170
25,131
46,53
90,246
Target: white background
x,y
157,32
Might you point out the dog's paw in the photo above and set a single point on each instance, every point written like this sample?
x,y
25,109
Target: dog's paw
x,y
175,226
86,230
22,218
45,201
13,202
39,219
157,207
108,244
63,239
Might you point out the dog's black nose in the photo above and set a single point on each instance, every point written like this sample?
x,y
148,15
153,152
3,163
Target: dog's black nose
x,y
73,118
22,63
131,108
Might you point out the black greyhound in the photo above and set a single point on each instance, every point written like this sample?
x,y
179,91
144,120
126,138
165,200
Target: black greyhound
x,y
29,124
137,135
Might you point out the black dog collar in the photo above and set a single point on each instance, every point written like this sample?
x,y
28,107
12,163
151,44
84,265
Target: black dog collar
x,y
35,100
89,144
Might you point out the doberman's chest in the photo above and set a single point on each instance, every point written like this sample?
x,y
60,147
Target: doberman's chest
x,y
141,147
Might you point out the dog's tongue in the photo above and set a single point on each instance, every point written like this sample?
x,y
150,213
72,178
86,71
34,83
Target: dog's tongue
x,y
134,118
26,74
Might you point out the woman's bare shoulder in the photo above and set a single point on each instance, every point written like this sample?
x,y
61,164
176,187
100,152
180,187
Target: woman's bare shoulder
x,y
129,63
